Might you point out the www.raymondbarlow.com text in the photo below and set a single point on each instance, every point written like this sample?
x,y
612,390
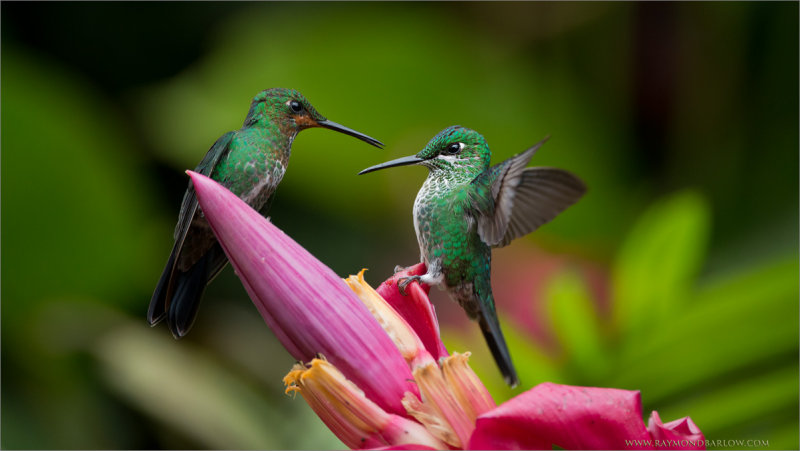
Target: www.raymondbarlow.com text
x,y
731,443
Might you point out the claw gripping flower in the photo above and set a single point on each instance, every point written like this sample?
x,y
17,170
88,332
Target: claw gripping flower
x,y
377,373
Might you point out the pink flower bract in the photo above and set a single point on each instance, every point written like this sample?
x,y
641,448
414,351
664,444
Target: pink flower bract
x,y
366,391
415,308
308,307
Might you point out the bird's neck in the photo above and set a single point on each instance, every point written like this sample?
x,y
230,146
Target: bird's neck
x,y
271,137
444,181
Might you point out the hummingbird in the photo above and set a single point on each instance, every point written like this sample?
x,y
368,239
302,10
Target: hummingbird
x,y
250,162
465,208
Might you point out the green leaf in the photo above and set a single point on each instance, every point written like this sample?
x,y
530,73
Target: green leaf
x,y
731,409
737,323
183,387
575,322
659,261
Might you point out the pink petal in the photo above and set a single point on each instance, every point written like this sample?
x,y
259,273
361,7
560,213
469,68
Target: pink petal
x,y
678,434
308,307
565,416
401,447
415,308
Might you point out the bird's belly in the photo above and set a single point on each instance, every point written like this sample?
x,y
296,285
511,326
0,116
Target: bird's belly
x,y
263,187
452,249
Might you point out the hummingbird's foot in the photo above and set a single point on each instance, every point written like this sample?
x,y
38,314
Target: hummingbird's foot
x,y
404,281
399,268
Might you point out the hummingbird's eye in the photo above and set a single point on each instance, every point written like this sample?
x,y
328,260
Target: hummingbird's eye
x,y
454,148
296,106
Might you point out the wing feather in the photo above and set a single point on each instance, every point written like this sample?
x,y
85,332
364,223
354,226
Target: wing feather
x,y
541,195
166,285
205,167
522,199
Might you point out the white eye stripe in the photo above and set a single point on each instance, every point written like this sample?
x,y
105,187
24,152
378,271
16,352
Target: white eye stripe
x,y
451,154
450,158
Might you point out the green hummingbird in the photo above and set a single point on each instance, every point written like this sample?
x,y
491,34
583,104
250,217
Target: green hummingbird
x,y
250,162
465,208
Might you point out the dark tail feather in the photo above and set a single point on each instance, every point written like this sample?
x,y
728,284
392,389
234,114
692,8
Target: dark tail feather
x,y
497,344
189,289
158,303
177,295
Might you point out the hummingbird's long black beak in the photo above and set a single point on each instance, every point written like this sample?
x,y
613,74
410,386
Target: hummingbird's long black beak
x,y
413,159
348,131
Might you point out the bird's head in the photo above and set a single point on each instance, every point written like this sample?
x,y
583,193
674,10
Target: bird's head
x,y
292,112
454,149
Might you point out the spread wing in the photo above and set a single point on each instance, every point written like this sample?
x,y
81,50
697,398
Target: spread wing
x,y
522,199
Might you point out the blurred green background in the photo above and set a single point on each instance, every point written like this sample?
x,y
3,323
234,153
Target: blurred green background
x,y
676,275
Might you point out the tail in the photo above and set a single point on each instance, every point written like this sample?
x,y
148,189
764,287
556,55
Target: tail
x,y
178,293
485,313
497,344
